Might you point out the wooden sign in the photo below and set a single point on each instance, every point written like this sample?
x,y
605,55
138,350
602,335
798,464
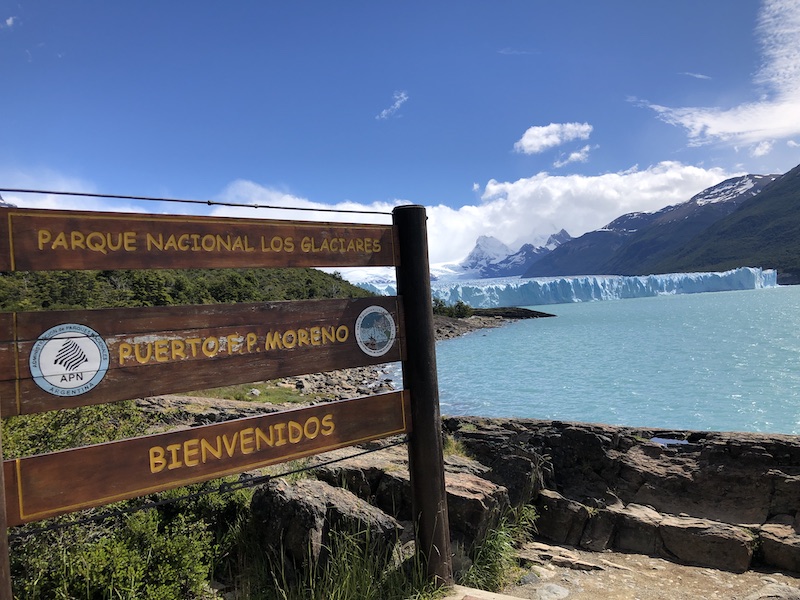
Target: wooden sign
x,y
39,487
62,359
32,240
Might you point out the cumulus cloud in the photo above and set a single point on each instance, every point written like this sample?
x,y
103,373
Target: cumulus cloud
x,y
400,98
540,138
774,115
581,155
526,210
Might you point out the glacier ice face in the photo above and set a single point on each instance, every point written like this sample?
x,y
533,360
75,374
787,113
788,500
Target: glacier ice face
x,y
513,291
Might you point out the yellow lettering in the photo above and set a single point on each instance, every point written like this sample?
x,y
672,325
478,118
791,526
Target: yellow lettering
x,y
125,352
162,350
342,333
174,461
252,339
206,448
359,245
44,238
210,347
129,241
157,459
316,336
288,245
274,340
194,343
76,240
295,432
290,338
328,425
154,242
302,337
146,358
279,427
247,440
178,349
328,334
262,437
313,431
97,242
190,452
230,446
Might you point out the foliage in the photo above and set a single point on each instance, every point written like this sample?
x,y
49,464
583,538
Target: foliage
x,y
144,557
353,571
460,310
54,290
57,430
494,560
762,232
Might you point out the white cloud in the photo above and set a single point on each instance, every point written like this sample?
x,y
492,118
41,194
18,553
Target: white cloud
x,y
540,138
400,98
792,144
774,115
10,21
526,210
581,155
761,149
695,75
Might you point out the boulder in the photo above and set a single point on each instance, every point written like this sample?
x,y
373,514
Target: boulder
x,y
780,547
707,543
637,529
560,520
300,517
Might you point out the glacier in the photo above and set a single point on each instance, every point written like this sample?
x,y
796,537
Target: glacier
x,y
514,291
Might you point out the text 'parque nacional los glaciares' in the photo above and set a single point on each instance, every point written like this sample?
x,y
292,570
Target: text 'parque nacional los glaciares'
x,y
40,239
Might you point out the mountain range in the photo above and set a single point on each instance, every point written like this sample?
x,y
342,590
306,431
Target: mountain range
x,y
751,220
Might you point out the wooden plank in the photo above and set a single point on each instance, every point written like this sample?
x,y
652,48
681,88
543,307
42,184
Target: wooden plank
x,y
61,359
39,487
32,240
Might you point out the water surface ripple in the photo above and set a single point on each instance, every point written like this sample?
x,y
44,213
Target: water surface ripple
x,y
724,361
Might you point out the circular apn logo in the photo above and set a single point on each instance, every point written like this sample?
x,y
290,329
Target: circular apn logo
x,y
375,331
69,360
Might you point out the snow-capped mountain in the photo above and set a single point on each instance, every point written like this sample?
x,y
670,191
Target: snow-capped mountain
x,y
492,258
634,243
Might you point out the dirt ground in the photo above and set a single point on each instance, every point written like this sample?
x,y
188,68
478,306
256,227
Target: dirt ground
x,y
555,573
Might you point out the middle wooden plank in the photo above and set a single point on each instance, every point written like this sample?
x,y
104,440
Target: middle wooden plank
x,y
62,359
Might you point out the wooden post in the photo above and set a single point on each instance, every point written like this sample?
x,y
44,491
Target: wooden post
x,y
425,454
5,565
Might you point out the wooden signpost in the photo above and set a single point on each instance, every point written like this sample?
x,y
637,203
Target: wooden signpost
x,y
63,359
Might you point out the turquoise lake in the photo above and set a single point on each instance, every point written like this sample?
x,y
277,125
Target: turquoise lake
x,y
723,361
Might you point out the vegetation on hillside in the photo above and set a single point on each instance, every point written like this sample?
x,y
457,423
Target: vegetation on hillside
x,y
762,232
54,290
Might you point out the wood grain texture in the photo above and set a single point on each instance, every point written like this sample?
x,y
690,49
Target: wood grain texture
x,y
47,485
161,350
36,240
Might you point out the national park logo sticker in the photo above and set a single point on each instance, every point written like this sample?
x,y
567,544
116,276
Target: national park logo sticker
x,y
69,360
375,331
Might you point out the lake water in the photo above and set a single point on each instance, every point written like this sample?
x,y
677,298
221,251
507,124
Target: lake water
x,y
724,361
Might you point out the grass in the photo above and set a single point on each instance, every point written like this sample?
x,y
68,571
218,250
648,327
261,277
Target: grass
x,y
494,561
269,392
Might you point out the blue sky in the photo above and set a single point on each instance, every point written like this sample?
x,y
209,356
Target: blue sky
x,y
513,119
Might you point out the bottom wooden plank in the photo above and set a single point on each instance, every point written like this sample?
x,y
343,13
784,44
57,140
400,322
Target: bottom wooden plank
x,y
47,485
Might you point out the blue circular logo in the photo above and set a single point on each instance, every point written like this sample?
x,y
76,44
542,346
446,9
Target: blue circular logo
x,y
375,331
69,360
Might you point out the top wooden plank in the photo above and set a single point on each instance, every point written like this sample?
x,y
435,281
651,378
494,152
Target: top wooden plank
x,y
38,240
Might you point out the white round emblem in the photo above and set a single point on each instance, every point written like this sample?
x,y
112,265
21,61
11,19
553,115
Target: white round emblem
x,y
69,360
375,331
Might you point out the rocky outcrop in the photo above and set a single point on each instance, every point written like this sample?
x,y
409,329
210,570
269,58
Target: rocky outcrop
x,y
721,500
